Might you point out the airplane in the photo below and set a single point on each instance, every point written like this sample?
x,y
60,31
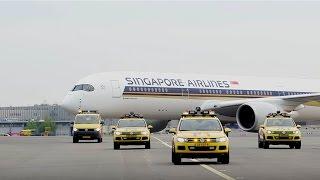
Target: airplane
x,y
162,97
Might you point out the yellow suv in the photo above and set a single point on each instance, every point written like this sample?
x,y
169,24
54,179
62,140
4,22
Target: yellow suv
x,y
279,128
200,134
131,129
26,132
87,126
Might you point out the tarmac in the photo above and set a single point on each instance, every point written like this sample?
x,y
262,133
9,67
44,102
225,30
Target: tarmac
x,y
50,158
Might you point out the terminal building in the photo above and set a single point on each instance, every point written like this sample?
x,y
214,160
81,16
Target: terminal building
x,y
14,119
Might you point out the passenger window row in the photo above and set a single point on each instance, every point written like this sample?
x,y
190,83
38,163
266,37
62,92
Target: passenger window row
x,y
227,92
249,92
143,89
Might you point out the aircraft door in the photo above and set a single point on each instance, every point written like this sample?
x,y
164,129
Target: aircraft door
x,y
116,89
185,93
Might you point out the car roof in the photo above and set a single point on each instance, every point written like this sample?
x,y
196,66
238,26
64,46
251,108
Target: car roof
x,y
132,119
199,117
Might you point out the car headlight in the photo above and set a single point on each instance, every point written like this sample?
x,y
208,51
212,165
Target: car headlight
x,y
75,129
144,133
179,139
269,132
296,132
98,129
117,133
222,139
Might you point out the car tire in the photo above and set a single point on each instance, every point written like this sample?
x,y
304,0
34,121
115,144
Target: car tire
x,y
265,145
116,146
224,159
175,158
148,145
75,140
260,143
298,145
291,146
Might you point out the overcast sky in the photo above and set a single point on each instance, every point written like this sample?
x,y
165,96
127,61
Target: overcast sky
x,y
46,47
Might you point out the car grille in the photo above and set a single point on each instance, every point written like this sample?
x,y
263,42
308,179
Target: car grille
x,y
131,133
131,138
192,148
199,139
281,132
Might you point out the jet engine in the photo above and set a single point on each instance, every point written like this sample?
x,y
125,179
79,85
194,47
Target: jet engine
x,y
251,115
158,125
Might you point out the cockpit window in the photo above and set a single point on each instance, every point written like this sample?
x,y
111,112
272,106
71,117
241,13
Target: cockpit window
x,y
83,87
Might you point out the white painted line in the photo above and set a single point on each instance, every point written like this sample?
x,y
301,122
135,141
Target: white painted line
x,y
224,176
164,143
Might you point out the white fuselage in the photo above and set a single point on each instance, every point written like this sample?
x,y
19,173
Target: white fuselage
x,y
163,96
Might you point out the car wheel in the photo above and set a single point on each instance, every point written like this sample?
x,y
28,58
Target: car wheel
x,y
175,158
260,143
116,146
224,159
75,140
291,146
265,145
298,145
147,146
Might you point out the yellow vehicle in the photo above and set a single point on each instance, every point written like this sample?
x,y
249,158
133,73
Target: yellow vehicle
x,y
200,135
131,129
279,129
87,126
26,132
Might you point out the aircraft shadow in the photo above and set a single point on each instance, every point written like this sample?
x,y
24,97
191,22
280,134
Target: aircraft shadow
x,y
279,148
87,142
202,162
129,149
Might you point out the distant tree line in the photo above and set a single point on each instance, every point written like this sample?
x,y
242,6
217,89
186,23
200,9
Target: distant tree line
x,y
41,127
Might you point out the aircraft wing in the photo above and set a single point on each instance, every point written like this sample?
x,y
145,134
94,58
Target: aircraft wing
x,y
303,98
289,103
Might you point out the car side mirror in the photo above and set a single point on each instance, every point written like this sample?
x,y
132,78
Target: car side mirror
x,y
173,131
150,127
113,127
227,131
262,126
298,126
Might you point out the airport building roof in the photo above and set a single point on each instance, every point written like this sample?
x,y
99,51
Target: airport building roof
x,y
36,112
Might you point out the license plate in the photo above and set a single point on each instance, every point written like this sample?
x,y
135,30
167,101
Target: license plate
x,y
130,136
201,144
86,137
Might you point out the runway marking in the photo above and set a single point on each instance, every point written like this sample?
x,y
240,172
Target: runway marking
x,y
164,143
224,176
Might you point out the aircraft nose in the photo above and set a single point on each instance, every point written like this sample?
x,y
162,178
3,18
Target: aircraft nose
x,y
68,103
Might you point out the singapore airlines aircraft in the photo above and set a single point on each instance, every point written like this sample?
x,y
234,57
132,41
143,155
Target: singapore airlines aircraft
x,y
164,96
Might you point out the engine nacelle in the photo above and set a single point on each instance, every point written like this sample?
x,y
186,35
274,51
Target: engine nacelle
x,y
158,125
251,115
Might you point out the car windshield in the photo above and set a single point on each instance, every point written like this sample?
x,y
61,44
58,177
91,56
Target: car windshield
x,y
280,122
87,119
131,123
200,125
